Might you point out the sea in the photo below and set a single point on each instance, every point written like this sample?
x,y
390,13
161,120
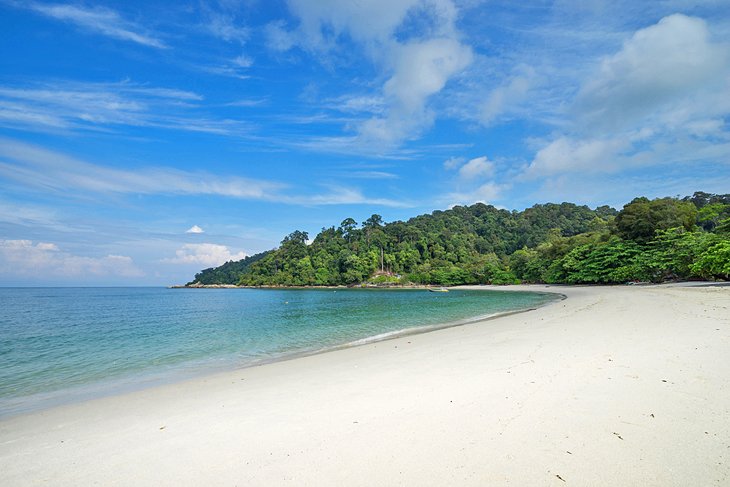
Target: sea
x,y
64,345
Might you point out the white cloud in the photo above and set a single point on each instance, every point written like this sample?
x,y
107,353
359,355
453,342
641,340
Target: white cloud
x,y
415,67
371,21
565,154
341,195
471,181
43,259
485,193
243,61
666,68
194,229
99,106
97,19
505,99
479,167
247,103
52,171
206,254
278,37
421,69
358,104
453,163
372,175
660,100
37,167
224,25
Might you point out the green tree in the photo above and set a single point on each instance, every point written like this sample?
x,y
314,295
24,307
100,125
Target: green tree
x,y
640,219
714,262
348,228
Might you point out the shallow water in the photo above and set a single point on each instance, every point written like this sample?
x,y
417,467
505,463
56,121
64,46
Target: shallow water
x,y
61,345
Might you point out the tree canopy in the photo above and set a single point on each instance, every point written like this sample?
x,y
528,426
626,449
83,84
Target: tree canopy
x,y
648,240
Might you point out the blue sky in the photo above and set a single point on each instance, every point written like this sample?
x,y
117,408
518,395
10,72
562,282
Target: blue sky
x,y
143,141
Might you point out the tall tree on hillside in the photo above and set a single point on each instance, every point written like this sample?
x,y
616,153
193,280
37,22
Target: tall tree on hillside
x,y
347,227
640,219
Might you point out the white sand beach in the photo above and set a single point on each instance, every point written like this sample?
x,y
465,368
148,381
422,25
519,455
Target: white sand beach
x,y
626,385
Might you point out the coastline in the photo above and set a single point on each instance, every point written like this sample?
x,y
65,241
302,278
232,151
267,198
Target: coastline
x,y
624,385
202,367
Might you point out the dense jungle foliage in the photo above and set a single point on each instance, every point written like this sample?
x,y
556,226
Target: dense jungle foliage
x,y
648,240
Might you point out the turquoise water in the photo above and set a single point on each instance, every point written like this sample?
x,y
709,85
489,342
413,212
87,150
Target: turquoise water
x,y
61,345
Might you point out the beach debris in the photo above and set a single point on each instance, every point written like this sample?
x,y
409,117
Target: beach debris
x,y
618,435
162,427
652,415
568,452
559,477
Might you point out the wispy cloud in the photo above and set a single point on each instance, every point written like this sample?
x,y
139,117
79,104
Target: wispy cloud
x,y
100,20
40,168
73,106
251,102
369,104
224,25
372,175
342,195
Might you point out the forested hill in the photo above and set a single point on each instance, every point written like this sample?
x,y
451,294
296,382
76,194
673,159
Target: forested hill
x,y
648,240
228,273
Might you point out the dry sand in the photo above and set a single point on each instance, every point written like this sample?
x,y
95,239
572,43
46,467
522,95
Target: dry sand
x,y
624,386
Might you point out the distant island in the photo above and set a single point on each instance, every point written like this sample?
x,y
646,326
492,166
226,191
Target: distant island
x,y
646,241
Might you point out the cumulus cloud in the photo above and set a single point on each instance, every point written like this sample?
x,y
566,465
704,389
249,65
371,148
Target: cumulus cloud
x,y
422,69
206,254
26,258
565,154
479,167
473,181
660,100
660,69
485,193
194,229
